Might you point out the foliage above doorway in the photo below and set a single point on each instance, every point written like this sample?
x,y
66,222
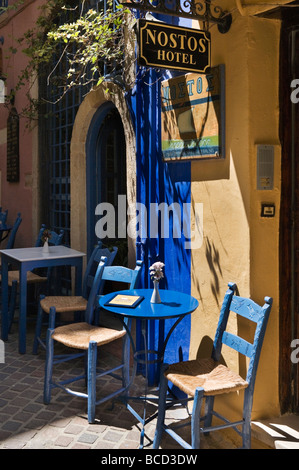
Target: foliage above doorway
x,y
87,42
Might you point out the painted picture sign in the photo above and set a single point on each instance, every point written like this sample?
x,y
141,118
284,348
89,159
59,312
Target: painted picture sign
x,y
173,47
193,116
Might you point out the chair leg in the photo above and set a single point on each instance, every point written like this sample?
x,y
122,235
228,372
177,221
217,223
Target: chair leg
x,y
161,408
246,434
246,430
195,419
208,411
85,361
12,303
91,380
126,359
49,366
38,327
52,317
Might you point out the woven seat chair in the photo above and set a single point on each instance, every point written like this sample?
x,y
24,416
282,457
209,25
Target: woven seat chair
x,y
12,236
71,304
3,216
86,338
32,277
203,379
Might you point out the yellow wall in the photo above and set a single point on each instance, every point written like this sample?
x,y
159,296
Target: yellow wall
x,y
238,244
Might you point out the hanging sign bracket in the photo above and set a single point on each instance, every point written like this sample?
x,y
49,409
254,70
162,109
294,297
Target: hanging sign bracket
x,y
201,10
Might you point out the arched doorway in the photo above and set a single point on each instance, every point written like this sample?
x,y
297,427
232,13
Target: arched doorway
x,y
105,168
107,94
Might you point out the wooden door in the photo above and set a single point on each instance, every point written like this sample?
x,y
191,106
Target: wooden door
x,y
289,217
106,169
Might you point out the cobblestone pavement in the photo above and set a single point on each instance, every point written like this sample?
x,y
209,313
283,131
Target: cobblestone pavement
x,y
27,423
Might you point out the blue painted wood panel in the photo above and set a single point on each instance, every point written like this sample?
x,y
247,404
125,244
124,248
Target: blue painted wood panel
x,y
160,182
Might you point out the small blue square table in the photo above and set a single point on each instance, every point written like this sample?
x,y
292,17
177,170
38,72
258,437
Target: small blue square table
x,y
27,259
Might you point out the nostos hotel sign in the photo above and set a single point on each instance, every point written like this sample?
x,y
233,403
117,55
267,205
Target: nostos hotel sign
x,y
173,47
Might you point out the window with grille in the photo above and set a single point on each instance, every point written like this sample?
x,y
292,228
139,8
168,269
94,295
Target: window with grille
x,y
3,5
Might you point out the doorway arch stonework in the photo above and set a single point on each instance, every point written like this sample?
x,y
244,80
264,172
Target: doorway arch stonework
x,y
107,91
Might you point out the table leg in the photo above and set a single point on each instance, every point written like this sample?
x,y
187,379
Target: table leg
x,y
23,310
144,334
126,355
4,281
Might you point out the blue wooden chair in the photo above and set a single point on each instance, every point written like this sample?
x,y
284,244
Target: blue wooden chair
x,y
65,304
206,378
33,278
12,236
87,337
3,220
13,232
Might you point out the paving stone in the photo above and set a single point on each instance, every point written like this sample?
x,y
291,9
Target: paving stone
x,y
60,422
4,435
79,446
13,444
46,415
11,426
19,402
34,424
4,417
104,445
19,387
46,435
74,429
63,441
129,445
9,394
3,376
29,380
88,438
112,436
98,428
29,393
33,408
10,409
22,416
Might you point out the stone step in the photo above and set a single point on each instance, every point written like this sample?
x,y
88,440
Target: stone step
x,y
278,432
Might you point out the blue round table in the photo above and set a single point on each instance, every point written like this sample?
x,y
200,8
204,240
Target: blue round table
x,y
173,305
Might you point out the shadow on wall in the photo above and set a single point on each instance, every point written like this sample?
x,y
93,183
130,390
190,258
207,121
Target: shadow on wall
x,y
213,259
205,349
